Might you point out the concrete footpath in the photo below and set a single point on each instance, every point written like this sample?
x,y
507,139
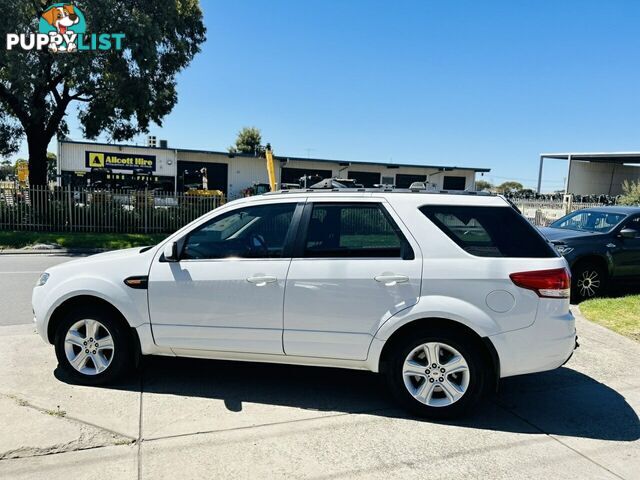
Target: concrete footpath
x,y
182,418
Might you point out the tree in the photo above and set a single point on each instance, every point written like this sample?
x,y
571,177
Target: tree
x,y
508,187
483,185
249,140
52,163
119,92
631,193
7,170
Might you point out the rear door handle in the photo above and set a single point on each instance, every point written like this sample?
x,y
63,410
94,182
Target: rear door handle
x,y
390,279
262,280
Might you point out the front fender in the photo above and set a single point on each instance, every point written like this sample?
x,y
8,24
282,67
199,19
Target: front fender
x,y
602,254
132,303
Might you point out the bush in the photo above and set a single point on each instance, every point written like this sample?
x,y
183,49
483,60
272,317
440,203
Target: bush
x,y
631,194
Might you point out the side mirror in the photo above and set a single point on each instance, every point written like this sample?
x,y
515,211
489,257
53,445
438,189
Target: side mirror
x,y
628,233
170,252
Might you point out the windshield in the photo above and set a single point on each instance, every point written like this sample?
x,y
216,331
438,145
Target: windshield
x,y
589,221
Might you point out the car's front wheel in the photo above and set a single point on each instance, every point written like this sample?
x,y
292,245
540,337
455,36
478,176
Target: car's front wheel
x,y
92,347
437,375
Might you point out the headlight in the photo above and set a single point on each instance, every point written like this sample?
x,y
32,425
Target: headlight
x,y
563,249
42,280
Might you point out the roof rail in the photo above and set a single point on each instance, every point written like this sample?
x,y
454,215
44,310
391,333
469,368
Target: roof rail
x,y
382,190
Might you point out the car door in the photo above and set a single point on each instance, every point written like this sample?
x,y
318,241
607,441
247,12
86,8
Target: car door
x,y
354,266
226,291
627,256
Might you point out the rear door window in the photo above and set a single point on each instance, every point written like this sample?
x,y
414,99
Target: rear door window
x,y
489,231
354,230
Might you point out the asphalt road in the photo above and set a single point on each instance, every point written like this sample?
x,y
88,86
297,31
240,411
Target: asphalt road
x,y
18,275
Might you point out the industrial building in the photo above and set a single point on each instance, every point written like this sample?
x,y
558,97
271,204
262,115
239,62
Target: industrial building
x,y
595,173
118,166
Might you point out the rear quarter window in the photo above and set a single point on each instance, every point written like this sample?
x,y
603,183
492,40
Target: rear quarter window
x,y
489,231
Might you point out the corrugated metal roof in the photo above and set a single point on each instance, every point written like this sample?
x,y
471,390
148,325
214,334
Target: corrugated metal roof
x,y
602,157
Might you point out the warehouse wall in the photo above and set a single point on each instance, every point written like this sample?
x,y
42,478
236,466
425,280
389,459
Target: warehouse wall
x,y
243,171
72,157
593,178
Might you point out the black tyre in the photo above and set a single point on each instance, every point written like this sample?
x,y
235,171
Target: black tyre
x,y
92,347
437,374
588,280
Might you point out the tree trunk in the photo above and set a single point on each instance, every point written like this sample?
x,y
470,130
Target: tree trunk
x,y
37,157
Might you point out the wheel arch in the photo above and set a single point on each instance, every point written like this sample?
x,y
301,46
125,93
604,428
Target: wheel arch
x,y
88,301
600,260
484,344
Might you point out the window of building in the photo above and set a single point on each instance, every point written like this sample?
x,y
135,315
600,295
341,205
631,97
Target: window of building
x,y
387,180
404,180
191,176
453,183
293,175
366,179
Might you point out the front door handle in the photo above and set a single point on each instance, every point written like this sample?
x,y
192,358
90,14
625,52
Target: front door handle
x,y
262,280
389,279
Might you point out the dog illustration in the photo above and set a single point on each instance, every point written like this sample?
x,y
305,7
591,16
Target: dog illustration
x,y
61,18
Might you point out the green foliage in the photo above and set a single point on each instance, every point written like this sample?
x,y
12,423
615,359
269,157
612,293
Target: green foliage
x,y
631,193
483,185
111,241
507,187
119,92
52,163
249,141
7,170
621,315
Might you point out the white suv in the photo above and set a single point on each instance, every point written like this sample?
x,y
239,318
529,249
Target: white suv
x,y
442,293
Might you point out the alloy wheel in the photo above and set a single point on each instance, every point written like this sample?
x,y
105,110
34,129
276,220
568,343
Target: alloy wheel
x,y
89,347
436,374
588,283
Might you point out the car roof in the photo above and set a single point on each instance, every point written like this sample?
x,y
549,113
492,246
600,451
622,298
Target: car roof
x,y
621,209
392,195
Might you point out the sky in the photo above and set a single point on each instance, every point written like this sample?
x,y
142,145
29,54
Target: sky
x,y
463,83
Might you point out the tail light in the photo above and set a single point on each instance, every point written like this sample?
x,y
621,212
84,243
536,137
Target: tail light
x,y
555,283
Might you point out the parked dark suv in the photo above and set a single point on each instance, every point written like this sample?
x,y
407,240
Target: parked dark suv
x,y
602,245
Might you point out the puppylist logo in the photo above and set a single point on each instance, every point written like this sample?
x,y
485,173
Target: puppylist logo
x,y
62,28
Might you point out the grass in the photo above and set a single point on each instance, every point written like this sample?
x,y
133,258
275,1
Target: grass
x,y
621,314
56,413
110,241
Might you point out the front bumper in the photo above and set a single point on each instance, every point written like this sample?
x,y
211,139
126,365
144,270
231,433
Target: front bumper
x,y
39,312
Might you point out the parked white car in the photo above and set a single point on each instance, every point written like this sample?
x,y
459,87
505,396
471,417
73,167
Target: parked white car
x,y
442,293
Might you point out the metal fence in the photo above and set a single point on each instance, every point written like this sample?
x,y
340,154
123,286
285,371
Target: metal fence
x,y
70,210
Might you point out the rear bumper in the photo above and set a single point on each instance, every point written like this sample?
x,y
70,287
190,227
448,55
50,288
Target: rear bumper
x,y
547,344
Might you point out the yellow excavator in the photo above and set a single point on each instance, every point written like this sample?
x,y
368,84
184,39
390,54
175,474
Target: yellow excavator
x,y
260,188
271,171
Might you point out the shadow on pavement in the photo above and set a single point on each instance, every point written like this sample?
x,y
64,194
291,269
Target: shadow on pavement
x,y
561,402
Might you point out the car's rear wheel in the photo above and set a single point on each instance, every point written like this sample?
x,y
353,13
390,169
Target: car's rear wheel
x,y
437,375
588,280
92,347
